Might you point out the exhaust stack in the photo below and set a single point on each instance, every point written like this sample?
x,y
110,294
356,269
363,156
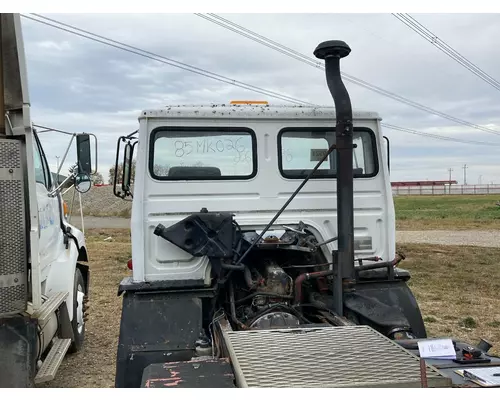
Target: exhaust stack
x,y
332,51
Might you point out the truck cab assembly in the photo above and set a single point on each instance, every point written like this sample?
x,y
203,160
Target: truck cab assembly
x,y
44,276
263,251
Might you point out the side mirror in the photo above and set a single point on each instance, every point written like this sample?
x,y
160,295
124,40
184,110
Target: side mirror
x,y
83,154
388,153
127,167
83,183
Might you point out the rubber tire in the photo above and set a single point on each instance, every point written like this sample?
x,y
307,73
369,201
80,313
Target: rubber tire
x,y
77,343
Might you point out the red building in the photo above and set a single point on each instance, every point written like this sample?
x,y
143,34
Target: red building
x,y
423,183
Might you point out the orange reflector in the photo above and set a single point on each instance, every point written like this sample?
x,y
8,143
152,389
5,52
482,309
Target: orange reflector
x,y
65,208
249,102
129,264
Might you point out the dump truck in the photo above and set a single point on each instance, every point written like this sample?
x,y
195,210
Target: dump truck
x,y
264,252
44,271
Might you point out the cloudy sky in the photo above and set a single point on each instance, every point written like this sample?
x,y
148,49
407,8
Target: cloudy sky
x,y
80,85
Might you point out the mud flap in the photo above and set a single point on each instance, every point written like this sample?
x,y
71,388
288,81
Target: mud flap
x,y
156,327
397,294
18,346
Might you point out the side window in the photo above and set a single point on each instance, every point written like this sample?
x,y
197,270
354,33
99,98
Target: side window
x,y
42,173
300,150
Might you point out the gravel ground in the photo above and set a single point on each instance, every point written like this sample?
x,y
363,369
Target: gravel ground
x,y
101,222
459,238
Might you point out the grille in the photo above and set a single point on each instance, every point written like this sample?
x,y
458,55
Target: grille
x,y
13,293
10,155
347,356
12,299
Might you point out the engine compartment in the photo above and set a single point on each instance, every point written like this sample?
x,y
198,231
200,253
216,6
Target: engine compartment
x,y
282,278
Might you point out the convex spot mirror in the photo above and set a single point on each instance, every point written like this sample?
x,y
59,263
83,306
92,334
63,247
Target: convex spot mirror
x,y
83,183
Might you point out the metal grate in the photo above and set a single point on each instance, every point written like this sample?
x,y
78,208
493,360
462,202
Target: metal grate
x,y
12,299
13,260
53,361
10,156
349,356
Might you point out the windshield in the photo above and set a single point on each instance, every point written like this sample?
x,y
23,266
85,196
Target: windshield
x,y
203,153
301,149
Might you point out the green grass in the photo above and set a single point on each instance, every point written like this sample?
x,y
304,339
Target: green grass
x,y
447,212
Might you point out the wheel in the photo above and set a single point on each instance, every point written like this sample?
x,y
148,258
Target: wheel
x,y
78,323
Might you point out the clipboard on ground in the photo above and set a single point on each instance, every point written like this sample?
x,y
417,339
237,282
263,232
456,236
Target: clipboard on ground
x,y
485,377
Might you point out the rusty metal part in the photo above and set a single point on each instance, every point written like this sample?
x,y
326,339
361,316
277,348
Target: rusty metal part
x,y
423,373
304,277
387,264
272,239
307,265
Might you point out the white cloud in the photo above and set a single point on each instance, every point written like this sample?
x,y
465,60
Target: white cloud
x,y
77,84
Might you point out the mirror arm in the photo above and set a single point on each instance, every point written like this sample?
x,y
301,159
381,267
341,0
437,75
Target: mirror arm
x,y
54,192
65,154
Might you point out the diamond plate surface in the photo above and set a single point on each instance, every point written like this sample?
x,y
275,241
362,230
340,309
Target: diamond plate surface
x,y
14,295
349,356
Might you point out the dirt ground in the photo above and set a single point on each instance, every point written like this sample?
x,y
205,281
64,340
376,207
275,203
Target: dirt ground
x,y
456,286
94,365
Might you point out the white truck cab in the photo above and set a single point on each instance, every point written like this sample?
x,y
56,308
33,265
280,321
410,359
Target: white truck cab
x,y
248,159
263,246
44,276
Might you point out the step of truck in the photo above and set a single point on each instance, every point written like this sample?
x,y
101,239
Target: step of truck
x,y
336,356
53,360
47,308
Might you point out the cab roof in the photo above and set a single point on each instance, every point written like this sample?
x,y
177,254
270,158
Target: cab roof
x,y
251,111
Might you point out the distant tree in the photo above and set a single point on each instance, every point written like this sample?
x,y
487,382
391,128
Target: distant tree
x,y
161,170
120,173
97,179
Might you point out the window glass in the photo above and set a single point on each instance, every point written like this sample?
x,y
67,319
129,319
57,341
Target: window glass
x,y
39,167
203,154
301,150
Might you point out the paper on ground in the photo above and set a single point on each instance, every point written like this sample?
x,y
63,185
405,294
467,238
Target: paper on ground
x,y
437,348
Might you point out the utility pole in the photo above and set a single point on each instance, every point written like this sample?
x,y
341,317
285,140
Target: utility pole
x,y
480,176
449,180
57,161
465,174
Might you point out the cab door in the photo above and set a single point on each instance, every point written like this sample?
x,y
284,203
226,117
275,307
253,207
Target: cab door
x,y
51,242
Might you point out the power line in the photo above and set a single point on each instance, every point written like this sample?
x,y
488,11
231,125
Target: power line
x,y
161,59
432,135
184,66
425,33
236,28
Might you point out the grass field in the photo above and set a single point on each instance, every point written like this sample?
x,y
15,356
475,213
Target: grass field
x,y
447,212
456,288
